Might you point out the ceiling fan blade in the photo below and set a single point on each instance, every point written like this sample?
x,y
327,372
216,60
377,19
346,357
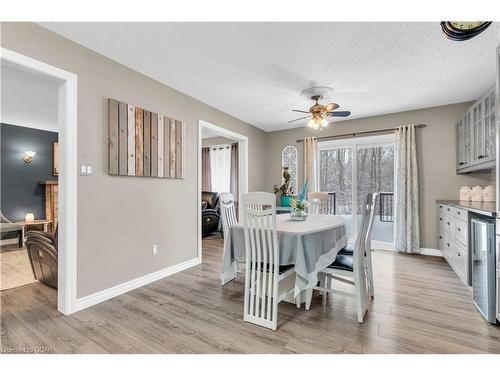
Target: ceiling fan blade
x,y
298,110
339,114
331,106
298,119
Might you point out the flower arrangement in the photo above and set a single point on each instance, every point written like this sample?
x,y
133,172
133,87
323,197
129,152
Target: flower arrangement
x,y
299,203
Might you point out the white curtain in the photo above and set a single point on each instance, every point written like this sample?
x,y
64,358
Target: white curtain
x,y
406,220
310,174
220,165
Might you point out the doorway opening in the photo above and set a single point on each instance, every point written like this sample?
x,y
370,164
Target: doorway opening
x,y
351,168
39,116
222,168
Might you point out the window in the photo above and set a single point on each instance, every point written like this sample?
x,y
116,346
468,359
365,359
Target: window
x,y
352,168
220,166
289,159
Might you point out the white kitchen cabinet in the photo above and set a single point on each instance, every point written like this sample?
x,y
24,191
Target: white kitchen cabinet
x,y
453,239
475,136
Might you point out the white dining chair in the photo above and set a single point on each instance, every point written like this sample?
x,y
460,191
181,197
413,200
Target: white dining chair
x,y
352,269
264,288
228,213
349,249
318,202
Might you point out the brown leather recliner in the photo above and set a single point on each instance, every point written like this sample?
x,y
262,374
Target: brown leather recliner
x,y
42,253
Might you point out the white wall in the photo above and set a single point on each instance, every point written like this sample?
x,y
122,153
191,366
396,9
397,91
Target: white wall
x,y
28,99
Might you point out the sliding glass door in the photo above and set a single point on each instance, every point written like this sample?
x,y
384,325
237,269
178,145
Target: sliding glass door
x,y
352,168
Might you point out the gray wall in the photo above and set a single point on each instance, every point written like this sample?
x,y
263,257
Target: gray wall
x,y
120,218
436,156
207,142
20,186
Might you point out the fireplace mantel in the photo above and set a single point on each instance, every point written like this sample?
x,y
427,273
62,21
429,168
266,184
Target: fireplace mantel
x,y
51,206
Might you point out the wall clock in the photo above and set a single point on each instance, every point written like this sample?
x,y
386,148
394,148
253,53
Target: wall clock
x,y
461,30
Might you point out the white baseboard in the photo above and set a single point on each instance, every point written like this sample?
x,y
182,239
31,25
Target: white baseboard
x,y
103,295
431,252
376,245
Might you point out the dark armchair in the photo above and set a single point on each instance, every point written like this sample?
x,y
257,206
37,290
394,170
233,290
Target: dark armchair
x,y
210,213
42,253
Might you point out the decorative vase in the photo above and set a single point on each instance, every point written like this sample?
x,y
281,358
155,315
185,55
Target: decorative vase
x,y
298,215
285,200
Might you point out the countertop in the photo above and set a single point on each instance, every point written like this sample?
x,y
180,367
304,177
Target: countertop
x,y
482,208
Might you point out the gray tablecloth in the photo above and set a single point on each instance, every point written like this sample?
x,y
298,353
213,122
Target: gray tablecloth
x,y
310,246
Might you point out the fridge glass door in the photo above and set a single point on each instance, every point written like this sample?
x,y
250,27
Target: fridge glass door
x,y
479,265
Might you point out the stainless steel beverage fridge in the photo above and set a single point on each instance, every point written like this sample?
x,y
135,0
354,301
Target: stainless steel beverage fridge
x,y
483,262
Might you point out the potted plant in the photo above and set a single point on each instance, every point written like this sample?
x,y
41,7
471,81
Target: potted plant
x,y
285,190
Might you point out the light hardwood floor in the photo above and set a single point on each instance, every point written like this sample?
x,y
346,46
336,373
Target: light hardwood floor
x,y
420,306
15,267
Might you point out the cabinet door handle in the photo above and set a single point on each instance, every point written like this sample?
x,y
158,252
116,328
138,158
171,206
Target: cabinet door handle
x,y
440,237
461,163
448,244
459,229
441,218
458,254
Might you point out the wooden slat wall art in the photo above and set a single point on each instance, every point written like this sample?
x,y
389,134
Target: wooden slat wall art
x,y
139,141
131,140
123,142
161,139
147,143
113,137
154,145
143,143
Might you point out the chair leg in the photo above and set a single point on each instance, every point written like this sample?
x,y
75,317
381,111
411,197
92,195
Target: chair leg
x,y
298,300
309,293
322,284
369,276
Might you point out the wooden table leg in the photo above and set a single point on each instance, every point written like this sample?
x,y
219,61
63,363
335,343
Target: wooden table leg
x,y
20,238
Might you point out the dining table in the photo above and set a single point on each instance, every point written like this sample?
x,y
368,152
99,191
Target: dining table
x,y
310,245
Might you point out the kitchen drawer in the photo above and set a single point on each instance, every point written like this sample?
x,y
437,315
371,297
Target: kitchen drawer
x,y
460,230
459,256
449,225
441,240
441,216
459,214
447,249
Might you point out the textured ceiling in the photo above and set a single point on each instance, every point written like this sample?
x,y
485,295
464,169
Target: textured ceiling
x,y
255,71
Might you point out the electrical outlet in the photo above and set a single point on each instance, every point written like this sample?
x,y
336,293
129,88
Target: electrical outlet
x,y
155,249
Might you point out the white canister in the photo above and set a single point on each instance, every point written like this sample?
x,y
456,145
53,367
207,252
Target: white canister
x,y
477,194
465,193
489,194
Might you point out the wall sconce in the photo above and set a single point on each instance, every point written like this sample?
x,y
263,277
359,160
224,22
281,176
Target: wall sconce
x,y
29,217
28,156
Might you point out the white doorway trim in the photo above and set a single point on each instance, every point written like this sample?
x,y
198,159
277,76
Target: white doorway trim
x,y
243,166
67,200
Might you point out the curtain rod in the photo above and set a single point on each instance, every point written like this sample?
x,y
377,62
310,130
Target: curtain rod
x,y
359,133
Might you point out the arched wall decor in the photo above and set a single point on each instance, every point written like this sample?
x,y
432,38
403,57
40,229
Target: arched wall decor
x,y
289,159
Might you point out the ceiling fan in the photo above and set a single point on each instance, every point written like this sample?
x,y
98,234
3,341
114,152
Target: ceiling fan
x,y
318,113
